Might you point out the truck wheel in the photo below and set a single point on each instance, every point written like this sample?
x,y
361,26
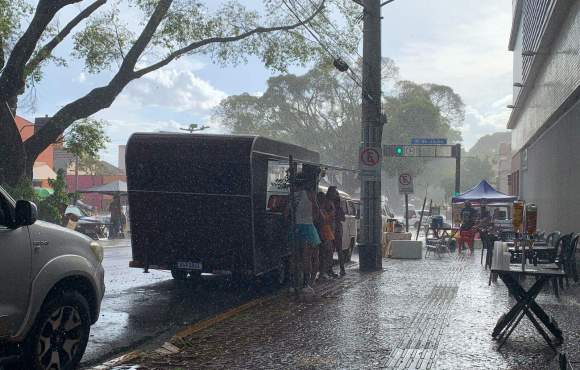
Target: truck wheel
x,y
179,274
60,334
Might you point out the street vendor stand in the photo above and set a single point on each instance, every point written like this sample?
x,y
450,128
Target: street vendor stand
x,y
480,195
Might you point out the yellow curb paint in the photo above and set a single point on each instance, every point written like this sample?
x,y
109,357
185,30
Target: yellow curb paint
x,y
126,357
199,326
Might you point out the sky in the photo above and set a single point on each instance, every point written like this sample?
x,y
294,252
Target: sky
x,y
459,43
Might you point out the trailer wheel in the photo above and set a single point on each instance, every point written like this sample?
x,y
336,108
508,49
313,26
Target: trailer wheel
x,y
179,274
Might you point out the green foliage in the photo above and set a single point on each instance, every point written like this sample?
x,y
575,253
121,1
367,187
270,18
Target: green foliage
x,y
417,111
85,138
321,111
104,41
473,170
22,190
52,208
12,14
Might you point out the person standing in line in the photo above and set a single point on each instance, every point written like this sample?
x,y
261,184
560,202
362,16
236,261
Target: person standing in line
x,y
305,234
339,217
116,215
327,213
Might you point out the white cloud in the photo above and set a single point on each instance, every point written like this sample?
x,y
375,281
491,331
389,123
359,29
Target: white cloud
x,y
120,131
174,88
82,77
462,44
165,100
503,102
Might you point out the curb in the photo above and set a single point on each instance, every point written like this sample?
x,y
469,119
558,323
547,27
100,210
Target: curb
x,y
179,337
204,324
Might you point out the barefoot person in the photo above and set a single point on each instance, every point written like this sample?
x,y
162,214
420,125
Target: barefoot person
x,y
305,234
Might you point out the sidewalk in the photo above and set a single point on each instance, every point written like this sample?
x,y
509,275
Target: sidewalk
x,y
416,314
115,243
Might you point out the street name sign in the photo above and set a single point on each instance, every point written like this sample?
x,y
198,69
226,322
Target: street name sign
x,y
429,141
405,183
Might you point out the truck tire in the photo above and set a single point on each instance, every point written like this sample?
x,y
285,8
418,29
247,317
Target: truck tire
x,y
60,333
179,274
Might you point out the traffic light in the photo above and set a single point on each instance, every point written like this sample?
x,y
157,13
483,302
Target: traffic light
x,y
399,151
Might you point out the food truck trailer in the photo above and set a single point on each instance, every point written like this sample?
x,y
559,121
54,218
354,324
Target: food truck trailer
x,y
199,203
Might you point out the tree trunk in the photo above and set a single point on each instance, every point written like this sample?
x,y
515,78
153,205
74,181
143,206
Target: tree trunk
x,y
12,153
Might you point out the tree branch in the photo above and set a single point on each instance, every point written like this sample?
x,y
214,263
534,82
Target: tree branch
x,y
47,49
100,97
211,40
145,37
12,79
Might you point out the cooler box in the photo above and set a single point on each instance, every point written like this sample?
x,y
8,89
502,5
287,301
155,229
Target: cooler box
x,y
407,249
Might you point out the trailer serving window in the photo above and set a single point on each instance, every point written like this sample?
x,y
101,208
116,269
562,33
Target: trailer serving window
x,y
277,193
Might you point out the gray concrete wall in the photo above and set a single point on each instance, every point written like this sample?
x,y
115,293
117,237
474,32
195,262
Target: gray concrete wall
x,y
557,79
552,179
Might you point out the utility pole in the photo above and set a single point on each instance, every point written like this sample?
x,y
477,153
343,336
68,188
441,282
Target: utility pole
x,y
457,169
370,257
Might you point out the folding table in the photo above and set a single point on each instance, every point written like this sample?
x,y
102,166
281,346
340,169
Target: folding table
x,y
526,303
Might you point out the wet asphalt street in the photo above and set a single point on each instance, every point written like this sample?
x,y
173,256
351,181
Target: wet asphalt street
x,y
146,309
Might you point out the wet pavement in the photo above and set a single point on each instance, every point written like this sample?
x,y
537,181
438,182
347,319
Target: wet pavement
x,y
416,314
148,308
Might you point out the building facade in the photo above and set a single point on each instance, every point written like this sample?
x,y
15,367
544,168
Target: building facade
x,y
545,118
503,168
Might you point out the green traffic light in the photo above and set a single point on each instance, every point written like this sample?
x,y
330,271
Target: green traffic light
x,y
399,150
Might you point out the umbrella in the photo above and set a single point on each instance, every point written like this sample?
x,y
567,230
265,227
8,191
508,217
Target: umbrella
x,y
43,193
112,188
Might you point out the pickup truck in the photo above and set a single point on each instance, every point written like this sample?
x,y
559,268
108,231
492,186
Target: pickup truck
x,y
51,287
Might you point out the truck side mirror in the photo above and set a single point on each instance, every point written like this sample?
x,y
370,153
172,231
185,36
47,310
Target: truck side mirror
x,y
26,213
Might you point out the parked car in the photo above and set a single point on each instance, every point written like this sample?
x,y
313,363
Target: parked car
x,y
51,287
385,215
96,227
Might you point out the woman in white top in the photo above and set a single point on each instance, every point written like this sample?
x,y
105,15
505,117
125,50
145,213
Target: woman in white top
x,y
305,232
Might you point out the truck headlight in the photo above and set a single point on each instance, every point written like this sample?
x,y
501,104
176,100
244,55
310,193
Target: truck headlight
x,y
97,250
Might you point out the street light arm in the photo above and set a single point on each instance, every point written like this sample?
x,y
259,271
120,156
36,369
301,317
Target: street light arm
x,y
386,2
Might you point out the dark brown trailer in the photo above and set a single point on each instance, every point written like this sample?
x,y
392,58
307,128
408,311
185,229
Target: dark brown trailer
x,y
198,203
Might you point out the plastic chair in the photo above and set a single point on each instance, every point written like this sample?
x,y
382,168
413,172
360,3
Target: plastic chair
x,y
569,260
552,238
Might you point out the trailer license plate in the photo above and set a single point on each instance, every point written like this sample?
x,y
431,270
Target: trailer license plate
x,y
186,265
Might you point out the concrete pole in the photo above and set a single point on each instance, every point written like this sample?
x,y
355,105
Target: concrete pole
x,y
370,257
457,169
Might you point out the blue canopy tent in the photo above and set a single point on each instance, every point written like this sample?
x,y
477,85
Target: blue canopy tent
x,y
484,192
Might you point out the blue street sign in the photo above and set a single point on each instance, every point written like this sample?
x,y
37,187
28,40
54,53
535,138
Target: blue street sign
x,y
429,141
